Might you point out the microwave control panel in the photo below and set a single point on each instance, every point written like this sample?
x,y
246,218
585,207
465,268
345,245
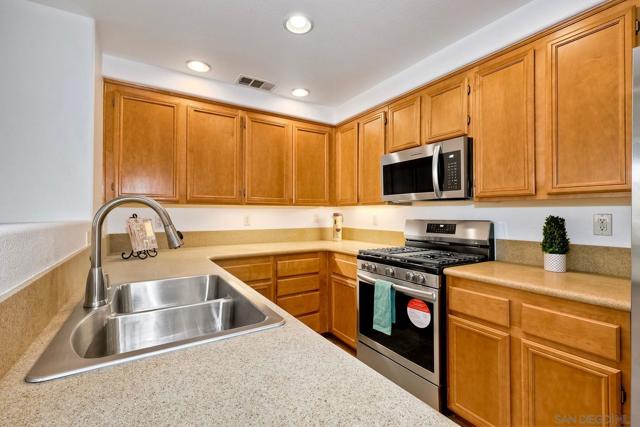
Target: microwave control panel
x,y
452,171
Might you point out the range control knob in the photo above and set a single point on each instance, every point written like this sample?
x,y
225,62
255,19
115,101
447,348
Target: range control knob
x,y
372,268
409,276
389,271
420,279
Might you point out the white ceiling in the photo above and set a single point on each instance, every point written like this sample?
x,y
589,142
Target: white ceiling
x,y
354,45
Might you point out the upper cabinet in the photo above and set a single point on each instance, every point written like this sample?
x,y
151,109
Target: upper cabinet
x,y
445,109
144,144
346,164
404,124
589,105
311,149
214,154
371,147
268,165
504,126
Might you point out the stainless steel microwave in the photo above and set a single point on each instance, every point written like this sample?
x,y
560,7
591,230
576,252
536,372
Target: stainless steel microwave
x,y
441,170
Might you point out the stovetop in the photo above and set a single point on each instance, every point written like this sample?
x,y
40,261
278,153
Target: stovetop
x,y
421,259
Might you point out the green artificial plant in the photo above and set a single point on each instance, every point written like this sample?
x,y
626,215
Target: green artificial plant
x,y
554,236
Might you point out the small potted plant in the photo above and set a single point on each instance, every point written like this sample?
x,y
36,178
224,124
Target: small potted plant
x,y
555,244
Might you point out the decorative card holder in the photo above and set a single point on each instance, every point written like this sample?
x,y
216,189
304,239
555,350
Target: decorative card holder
x,y
143,238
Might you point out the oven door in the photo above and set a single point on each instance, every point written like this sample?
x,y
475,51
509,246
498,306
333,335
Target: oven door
x,y
430,172
413,343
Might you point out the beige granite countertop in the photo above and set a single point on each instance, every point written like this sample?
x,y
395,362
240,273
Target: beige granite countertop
x,y
287,376
605,291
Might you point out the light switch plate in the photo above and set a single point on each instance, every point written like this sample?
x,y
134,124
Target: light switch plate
x,y
602,224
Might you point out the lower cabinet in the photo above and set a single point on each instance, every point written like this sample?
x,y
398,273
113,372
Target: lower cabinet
x,y
318,288
301,288
343,288
343,309
518,358
479,373
256,272
559,387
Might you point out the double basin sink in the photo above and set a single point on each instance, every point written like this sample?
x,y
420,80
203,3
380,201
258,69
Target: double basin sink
x,y
151,317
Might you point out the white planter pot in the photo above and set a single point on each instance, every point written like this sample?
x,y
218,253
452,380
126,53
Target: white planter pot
x,y
555,262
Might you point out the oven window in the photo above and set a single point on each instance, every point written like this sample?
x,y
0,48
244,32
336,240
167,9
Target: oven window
x,y
407,340
411,176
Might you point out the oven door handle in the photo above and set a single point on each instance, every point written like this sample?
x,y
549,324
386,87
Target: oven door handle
x,y
424,295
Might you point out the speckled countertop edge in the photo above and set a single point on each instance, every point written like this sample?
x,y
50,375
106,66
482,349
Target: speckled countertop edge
x,y
603,291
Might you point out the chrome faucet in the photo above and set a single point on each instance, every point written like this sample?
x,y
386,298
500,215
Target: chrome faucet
x,y
96,291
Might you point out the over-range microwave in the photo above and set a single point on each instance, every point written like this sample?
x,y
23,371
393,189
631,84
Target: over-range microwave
x,y
442,170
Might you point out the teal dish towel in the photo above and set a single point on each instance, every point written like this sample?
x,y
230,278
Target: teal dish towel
x,y
384,306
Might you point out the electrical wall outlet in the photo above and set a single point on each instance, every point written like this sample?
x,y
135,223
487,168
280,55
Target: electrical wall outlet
x,y
602,225
247,221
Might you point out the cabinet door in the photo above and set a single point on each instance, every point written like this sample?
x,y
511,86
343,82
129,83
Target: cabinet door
x,y
404,124
560,388
346,163
478,358
343,309
589,101
311,164
445,109
371,143
214,155
504,127
268,164
147,144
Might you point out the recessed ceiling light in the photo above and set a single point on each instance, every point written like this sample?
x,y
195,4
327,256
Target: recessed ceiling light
x,y
300,92
298,24
199,66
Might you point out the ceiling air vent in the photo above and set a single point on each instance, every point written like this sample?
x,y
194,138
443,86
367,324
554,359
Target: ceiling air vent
x,y
255,83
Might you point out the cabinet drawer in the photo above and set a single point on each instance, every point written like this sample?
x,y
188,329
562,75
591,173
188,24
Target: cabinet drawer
x,y
301,304
263,287
296,285
592,336
481,306
344,265
311,320
248,269
303,265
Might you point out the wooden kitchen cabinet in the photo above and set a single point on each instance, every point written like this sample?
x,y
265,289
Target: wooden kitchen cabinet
x,y
343,318
268,165
214,154
589,105
558,385
520,358
371,147
301,288
311,164
257,272
404,124
343,309
144,143
479,373
504,126
346,164
445,109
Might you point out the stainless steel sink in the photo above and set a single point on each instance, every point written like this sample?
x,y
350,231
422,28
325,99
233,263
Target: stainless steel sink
x,y
152,317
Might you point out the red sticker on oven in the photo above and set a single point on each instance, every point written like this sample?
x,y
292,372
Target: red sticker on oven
x,y
419,313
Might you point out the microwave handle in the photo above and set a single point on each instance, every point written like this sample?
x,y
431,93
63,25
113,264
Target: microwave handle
x,y
435,172
427,296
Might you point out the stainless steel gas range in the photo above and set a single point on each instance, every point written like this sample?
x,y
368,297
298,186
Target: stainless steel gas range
x,y
414,355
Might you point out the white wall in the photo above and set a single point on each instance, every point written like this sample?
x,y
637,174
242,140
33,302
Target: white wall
x,y
162,78
512,221
46,113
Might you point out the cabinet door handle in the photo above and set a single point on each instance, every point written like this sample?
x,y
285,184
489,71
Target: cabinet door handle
x,y
468,119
